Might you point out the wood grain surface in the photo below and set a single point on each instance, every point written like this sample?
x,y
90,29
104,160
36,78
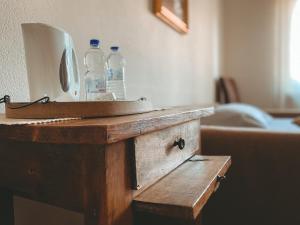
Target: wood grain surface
x,y
90,179
53,174
86,165
103,130
156,155
77,109
183,193
109,202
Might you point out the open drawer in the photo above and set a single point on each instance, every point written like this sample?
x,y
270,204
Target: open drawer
x,y
183,193
157,154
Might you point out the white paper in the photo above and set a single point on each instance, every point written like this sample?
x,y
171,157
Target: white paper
x,y
8,121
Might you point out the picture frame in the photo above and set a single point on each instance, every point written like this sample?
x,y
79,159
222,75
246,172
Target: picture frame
x,y
173,12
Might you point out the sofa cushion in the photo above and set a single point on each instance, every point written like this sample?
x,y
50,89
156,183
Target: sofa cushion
x,y
238,115
283,124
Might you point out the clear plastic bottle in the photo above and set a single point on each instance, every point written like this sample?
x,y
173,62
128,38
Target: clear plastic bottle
x,y
116,73
95,76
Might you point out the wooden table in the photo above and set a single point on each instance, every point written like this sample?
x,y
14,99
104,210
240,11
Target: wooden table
x,y
108,168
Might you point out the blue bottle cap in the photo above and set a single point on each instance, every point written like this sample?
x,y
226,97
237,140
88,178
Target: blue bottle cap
x,y
94,42
114,48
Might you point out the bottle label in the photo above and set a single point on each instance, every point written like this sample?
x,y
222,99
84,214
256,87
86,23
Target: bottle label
x,y
115,74
95,86
118,88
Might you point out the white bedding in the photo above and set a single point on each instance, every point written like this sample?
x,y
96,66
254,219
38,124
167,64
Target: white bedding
x,y
243,115
282,125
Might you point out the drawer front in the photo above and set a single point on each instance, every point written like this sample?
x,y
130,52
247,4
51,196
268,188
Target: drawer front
x,y
156,155
170,196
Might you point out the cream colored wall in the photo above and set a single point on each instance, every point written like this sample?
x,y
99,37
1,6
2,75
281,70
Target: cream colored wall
x,y
169,68
248,48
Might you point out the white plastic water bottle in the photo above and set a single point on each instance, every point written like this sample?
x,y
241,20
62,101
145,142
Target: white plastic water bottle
x,y
116,73
95,76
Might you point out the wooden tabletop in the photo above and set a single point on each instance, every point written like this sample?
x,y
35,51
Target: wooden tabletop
x,y
103,130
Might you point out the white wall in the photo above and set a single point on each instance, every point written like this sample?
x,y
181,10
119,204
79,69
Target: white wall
x,y
169,68
248,47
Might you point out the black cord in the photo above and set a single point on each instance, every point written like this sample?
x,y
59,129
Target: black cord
x,y
6,99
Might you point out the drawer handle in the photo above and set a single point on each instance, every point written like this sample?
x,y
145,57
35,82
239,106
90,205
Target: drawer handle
x,y
220,179
180,143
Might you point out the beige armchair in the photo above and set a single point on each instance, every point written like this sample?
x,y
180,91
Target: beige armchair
x,y
263,185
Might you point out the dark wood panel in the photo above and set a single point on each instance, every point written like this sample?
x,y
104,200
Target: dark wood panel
x,y
183,193
142,218
6,207
102,130
54,174
92,179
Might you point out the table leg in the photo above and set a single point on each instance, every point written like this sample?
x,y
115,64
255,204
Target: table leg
x,y
91,217
107,186
6,207
94,185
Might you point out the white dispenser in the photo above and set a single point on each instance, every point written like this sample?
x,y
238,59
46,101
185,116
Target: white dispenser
x,y
51,63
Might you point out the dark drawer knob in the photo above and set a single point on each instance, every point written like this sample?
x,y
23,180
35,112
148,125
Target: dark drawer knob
x,y
180,143
221,178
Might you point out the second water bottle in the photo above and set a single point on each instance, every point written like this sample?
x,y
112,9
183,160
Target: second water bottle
x,y
116,73
95,77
